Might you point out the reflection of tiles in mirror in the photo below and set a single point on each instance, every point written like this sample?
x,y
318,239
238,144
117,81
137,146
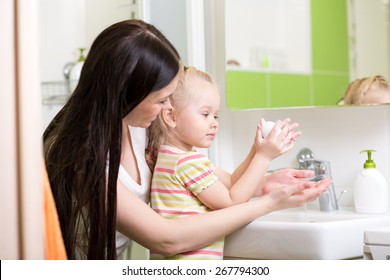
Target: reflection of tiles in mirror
x,y
281,40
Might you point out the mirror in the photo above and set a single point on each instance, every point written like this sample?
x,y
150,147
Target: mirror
x,y
299,53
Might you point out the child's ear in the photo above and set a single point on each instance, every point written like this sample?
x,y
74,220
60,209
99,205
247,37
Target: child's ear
x,y
169,117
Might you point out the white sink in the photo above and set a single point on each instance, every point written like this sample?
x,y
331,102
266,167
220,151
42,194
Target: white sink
x,y
299,234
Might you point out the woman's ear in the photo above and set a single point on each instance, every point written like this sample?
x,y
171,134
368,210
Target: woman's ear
x,y
169,117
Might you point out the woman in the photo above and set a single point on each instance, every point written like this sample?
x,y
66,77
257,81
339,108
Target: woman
x,y
94,152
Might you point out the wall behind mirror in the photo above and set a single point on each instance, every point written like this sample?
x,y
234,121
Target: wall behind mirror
x,y
298,53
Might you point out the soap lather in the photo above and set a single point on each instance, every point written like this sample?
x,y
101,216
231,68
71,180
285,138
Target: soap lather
x,y
267,127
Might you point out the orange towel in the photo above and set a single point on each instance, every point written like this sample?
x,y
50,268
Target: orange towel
x,y
54,243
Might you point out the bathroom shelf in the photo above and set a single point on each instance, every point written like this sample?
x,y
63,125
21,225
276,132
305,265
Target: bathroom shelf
x,y
55,93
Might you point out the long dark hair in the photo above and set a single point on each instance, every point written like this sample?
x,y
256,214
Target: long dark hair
x,y
82,144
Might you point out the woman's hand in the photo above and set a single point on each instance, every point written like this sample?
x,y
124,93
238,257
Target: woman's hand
x,y
285,177
295,195
288,177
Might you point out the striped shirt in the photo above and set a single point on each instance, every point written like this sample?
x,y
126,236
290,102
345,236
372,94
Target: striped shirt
x,y
178,178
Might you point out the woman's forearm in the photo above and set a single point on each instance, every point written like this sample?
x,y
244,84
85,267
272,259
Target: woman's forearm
x,y
194,232
171,236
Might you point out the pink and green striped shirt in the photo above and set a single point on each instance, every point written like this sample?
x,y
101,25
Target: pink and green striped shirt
x,y
178,178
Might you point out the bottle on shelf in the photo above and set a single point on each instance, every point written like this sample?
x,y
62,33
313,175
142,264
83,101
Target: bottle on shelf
x,y
75,71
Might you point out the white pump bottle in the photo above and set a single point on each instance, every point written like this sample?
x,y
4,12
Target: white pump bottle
x,y
370,189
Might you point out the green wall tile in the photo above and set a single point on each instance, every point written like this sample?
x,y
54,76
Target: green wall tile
x,y
290,90
246,90
330,35
329,88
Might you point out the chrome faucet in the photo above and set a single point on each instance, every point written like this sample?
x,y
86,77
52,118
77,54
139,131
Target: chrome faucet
x,y
327,200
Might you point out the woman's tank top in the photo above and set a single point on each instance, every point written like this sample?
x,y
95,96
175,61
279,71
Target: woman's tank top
x,y
139,142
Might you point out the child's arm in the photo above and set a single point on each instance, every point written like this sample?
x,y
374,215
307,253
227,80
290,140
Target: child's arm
x,y
217,196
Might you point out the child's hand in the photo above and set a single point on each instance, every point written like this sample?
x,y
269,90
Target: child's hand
x,y
280,139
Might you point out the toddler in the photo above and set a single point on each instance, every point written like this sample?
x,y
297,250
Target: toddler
x,y
184,181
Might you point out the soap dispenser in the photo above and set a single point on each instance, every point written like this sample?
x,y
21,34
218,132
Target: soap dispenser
x,y
370,188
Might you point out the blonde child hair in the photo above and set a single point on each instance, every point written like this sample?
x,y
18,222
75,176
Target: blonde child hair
x,y
368,90
159,132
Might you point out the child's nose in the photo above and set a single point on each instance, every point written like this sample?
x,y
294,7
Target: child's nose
x,y
167,105
214,124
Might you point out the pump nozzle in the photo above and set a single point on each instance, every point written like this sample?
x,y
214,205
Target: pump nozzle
x,y
81,55
369,163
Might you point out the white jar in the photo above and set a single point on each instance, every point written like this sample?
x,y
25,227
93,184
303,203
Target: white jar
x,y
75,71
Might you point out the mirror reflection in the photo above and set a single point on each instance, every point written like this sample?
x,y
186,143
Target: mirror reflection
x,y
367,91
295,53
279,53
